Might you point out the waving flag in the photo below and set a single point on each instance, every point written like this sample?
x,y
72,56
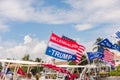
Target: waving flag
x,y
108,44
105,43
56,68
101,50
93,55
108,57
66,38
79,53
62,48
20,71
8,71
117,34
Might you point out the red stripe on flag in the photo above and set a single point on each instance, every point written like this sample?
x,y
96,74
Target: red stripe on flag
x,y
109,57
65,43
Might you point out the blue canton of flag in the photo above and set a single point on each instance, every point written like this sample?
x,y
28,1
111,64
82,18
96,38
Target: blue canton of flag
x,y
67,38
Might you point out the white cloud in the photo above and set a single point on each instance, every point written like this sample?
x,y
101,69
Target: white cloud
x,y
27,39
101,4
80,11
1,47
35,48
96,12
11,9
39,49
16,52
81,27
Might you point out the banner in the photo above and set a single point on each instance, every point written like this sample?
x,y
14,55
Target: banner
x,y
100,50
64,48
108,44
93,55
105,43
60,54
116,47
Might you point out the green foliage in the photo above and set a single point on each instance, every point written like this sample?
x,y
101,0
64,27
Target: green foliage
x,y
34,69
118,67
83,61
24,68
115,72
104,74
0,66
26,57
72,63
96,42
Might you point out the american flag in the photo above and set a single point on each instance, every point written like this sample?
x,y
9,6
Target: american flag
x,y
79,52
109,57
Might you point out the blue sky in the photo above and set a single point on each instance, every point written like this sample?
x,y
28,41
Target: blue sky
x,y
26,25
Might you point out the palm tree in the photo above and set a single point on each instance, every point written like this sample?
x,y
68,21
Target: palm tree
x,y
84,60
37,60
36,69
97,41
96,61
26,57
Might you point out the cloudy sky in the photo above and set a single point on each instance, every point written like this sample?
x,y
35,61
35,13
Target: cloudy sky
x,y
26,25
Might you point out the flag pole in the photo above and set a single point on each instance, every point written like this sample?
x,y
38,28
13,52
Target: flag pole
x,y
82,61
5,71
15,75
16,71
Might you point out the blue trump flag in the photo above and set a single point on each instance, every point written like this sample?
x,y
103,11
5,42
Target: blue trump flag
x,y
116,47
118,34
105,43
108,44
101,50
93,55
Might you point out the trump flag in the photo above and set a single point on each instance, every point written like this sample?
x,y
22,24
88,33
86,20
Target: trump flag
x,y
93,55
64,49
